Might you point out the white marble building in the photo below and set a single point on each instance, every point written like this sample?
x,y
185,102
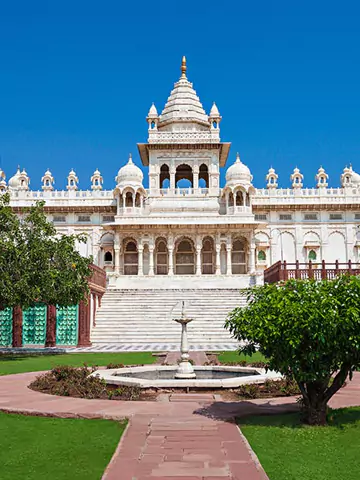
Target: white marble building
x,y
203,235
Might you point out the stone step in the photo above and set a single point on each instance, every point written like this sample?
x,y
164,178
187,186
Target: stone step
x,y
145,316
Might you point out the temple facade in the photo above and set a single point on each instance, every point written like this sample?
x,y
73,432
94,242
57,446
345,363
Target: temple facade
x,y
186,229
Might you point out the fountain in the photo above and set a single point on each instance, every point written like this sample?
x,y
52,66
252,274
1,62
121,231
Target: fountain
x,y
185,375
185,369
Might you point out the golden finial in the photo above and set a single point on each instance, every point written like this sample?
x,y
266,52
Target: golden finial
x,y
183,67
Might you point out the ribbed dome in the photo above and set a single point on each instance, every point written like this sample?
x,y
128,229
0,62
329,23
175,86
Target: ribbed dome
x,y
238,174
129,175
183,103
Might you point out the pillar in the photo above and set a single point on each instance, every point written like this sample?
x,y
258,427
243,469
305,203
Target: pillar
x,y
50,326
252,258
17,327
140,260
198,259
196,180
117,259
151,261
217,259
228,259
172,179
84,324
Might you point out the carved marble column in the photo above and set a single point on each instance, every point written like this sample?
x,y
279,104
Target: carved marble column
x,y
151,260
172,178
252,258
228,259
198,259
217,258
140,260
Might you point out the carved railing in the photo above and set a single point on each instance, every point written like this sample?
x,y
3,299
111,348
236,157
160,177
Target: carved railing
x,y
282,271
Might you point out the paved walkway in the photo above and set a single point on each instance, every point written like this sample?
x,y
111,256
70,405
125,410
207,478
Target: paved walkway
x,y
186,437
127,347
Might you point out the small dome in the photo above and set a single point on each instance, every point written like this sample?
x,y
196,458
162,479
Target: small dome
x,y
321,170
97,172
72,173
153,112
238,174
129,175
2,174
47,173
214,112
15,181
271,171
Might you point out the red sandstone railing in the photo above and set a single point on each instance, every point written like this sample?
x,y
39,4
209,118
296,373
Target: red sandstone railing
x,y
282,271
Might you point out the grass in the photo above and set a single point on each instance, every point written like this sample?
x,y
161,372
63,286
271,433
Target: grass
x,y
34,363
38,448
226,357
290,451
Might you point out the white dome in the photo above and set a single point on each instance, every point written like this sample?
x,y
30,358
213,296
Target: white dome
x,y
214,112
15,181
152,112
129,175
238,174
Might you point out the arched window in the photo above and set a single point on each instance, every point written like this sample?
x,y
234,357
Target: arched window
x,y
238,257
130,258
164,176
239,199
128,199
207,255
203,176
137,200
261,256
184,176
161,258
185,258
312,255
108,258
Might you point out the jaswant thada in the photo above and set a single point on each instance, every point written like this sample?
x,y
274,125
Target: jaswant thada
x,y
200,243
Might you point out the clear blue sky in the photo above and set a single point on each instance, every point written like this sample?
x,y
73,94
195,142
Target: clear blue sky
x,y
77,79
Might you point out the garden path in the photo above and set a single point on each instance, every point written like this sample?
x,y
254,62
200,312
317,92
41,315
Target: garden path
x,y
183,436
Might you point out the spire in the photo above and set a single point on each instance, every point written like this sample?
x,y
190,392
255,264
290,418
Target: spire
x,y
183,67
238,158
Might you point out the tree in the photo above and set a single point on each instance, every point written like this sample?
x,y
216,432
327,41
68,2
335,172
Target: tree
x,y
309,330
37,264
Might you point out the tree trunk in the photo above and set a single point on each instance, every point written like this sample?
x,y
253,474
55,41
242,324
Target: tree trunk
x,y
50,326
315,413
315,403
17,327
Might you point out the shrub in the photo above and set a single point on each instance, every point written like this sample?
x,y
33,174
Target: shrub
x,y
308,330
76,382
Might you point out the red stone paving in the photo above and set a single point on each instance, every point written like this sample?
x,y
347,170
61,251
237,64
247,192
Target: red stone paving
x,y
190,437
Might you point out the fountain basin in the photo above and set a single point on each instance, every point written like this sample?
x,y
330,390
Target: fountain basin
x,y
206,376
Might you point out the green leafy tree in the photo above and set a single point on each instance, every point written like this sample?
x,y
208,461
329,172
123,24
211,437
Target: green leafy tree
x,y
37,264
309,330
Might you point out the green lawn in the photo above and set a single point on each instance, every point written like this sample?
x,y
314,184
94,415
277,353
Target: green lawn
x,y
34,363
226,357
37,448
291,451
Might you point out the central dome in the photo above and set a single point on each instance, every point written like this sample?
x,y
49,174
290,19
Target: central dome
x,y
183,104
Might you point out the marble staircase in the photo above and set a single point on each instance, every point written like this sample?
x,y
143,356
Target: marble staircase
x,y
145,316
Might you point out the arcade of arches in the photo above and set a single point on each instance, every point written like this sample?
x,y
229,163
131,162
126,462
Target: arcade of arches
x,y
204,255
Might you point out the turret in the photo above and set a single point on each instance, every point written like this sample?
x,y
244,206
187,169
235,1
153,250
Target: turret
x,y
96,180
48,181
